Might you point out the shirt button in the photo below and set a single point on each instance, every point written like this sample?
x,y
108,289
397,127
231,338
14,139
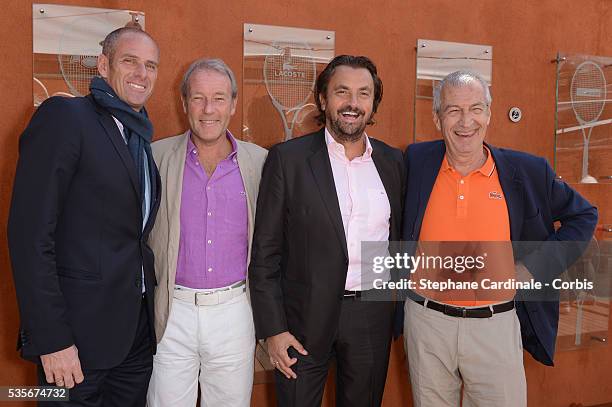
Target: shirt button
x,y
197,163
208,188
209,269
462,182
461,197
209,213
209,241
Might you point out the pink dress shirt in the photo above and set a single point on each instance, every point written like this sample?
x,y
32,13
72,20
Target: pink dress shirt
x,y
214,225
364,206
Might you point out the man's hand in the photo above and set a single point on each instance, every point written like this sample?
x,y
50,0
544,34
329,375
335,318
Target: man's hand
x,y
277,350
63,367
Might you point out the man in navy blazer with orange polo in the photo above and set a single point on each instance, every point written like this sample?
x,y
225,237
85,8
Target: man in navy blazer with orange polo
x,y
480,350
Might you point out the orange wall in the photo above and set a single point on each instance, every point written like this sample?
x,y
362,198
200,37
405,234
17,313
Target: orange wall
x,y
525,36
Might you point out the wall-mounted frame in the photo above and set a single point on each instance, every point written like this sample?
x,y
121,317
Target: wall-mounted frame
x,y
583,158
280,66
435,60
583,118
66,41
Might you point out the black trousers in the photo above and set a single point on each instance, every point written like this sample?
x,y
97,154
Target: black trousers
x,y
361,350
125,385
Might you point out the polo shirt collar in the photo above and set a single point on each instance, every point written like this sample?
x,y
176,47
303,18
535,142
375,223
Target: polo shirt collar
x,y
487,168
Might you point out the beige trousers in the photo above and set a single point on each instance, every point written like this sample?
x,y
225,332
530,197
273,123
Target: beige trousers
x,y
484,355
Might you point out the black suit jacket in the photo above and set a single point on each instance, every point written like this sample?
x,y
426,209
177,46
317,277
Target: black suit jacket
x,y
535,200
75,235
299,260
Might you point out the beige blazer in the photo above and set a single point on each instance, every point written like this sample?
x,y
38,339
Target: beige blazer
x,y
169,155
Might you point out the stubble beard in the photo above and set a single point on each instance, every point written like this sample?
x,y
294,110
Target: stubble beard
x,y
347,132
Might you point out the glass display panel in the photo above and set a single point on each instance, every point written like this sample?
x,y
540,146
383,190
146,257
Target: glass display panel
x,y
435,60
66,43
585,308
280,67
583,132
583,158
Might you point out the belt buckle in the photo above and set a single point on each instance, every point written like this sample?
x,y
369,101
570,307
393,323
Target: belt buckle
x,y
451,311
202,293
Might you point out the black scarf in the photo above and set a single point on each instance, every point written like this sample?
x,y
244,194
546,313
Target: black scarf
x,y
138,128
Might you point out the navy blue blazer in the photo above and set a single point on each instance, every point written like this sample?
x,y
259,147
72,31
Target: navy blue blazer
x,y
535,199
75,235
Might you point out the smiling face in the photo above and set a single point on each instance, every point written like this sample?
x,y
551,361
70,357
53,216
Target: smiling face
x,y
132,72
463,119
209,105
348,103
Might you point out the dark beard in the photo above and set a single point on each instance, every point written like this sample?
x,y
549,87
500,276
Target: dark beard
x,y
346,133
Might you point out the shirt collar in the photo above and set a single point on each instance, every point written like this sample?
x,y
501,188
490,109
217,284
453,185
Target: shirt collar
x,y
333,145
191,148
120,125
487,168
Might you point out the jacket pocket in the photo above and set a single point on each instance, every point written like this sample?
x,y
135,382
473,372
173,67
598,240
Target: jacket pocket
x,y
78,274
534,228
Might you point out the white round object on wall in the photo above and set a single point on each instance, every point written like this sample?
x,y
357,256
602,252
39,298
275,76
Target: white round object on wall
x,y
515,114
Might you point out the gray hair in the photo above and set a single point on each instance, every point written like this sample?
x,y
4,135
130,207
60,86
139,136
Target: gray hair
x,y
208,64
457,79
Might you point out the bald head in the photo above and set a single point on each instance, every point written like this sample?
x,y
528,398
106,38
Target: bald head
x,y
109,45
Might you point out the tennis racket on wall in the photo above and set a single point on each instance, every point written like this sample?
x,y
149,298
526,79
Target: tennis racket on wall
x,y
588,97
39,91
77,71
79,47
289,74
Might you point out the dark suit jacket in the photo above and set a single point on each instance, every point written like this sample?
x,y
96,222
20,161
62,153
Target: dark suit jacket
x,y
75,235
300,258
535,200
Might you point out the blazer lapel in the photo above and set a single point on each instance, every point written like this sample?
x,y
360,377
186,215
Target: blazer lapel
x,y
112,131
245,165
513,191
323,176
431,166
172,189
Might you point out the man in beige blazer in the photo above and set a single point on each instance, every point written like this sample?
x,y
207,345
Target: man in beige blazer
x,y
202,245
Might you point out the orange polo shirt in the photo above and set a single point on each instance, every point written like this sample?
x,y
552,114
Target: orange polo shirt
x,y
470,211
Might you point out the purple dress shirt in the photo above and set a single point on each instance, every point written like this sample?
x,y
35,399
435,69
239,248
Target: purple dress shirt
x,y
214,225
